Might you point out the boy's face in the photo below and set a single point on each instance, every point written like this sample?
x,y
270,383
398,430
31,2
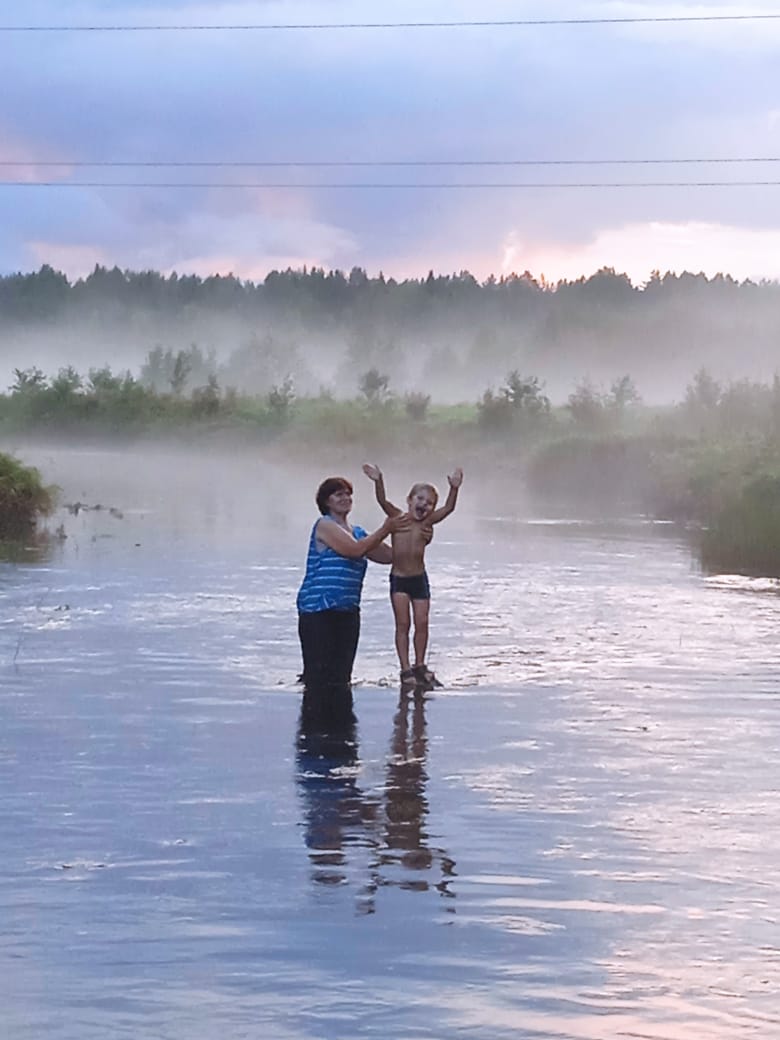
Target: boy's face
x,y
421,503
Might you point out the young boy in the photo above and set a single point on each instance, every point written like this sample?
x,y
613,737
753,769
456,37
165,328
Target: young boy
x,y
408,581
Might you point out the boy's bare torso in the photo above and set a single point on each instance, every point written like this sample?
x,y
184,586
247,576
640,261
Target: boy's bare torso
x,y
409,549
409,544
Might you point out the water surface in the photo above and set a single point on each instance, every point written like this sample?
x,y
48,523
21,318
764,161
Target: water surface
x,y
576,839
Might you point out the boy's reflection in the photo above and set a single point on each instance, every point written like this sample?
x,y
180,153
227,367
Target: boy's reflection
x,y
405,841
338,815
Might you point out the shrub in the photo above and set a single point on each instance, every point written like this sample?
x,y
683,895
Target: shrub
x,y
416,405
623,394
494,411
28,380
744,535
525,395
280,400
520,401
588,408
375,387
205,399
23,498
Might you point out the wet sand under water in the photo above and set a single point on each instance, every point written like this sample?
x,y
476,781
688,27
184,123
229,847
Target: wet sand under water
x,y
576,839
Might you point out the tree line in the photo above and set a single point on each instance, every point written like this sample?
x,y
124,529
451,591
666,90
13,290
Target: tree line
x,y
445,333
48,293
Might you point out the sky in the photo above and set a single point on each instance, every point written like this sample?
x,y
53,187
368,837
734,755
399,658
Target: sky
x,y
569,94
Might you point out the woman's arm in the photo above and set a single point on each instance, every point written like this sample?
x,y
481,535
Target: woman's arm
x,y
382,554
345,543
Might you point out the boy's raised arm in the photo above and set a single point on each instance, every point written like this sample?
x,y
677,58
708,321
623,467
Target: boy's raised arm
x,y
375,473
455,480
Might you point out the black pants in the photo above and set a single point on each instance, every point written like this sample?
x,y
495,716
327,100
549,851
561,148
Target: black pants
x,y
329,642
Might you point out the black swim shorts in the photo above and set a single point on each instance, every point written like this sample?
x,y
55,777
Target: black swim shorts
x,y
416,586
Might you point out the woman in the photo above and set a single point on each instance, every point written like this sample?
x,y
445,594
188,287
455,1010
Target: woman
x,y
329,597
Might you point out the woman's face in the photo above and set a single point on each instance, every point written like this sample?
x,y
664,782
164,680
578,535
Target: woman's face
x,y
340,502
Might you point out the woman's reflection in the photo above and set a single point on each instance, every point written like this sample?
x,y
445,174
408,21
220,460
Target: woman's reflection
x,y
339,816
337,813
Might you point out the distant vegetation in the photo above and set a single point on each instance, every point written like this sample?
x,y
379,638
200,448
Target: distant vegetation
x,y
712,460
313,359
23,497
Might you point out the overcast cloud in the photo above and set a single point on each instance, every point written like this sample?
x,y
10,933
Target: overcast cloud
x,y
682,90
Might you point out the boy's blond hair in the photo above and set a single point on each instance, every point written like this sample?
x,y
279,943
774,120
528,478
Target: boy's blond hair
x,y
423,487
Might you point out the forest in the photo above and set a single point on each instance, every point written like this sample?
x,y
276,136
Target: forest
x,y
442,335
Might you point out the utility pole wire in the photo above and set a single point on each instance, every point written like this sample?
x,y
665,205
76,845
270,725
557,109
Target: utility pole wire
x,y
484,24
384,185
332,163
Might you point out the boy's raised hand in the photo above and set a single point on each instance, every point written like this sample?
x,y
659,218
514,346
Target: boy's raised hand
x,y
372,471
455,478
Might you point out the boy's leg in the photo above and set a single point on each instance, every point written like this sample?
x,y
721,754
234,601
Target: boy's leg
x,y
401,613
421,611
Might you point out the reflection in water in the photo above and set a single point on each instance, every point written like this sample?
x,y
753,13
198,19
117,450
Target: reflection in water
x,y
340,816
406,806
36,547
337,813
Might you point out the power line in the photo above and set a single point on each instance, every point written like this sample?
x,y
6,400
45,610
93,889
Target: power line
x,y
344,163
483,24
390,185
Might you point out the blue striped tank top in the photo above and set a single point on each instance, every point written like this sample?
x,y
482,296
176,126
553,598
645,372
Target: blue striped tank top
x,y
331,581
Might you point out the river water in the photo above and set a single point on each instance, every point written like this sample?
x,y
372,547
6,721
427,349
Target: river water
x,y
577,838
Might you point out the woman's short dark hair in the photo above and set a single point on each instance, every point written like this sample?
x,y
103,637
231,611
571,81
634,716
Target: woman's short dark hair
x,y
328,487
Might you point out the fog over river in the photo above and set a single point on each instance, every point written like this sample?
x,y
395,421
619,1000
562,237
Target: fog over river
x,y
577,838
